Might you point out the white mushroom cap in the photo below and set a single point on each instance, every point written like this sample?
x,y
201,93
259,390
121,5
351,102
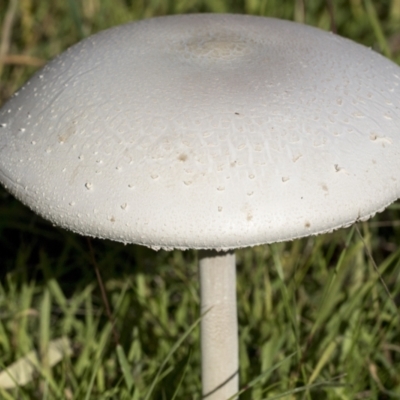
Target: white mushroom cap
x,y
206,131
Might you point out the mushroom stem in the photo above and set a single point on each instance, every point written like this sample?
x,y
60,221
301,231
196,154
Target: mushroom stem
x,y
219,327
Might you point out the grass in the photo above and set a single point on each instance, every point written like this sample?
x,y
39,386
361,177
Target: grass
x,y
316,321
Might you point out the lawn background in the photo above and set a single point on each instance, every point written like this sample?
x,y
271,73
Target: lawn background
x,y
319,300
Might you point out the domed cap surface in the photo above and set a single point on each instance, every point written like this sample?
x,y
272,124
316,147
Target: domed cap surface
x,y
206,131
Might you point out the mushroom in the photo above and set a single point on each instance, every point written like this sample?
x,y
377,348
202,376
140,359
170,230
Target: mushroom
x,y
209,132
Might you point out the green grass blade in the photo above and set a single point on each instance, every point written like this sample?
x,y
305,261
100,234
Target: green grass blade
x,y
123,362
169,355
185,370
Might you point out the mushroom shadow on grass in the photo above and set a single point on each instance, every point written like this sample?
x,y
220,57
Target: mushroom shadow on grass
x,y
210,132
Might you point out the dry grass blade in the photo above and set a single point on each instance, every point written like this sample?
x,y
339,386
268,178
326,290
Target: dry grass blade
x,y
21,59
24,370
